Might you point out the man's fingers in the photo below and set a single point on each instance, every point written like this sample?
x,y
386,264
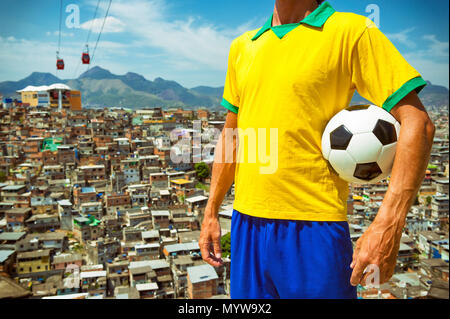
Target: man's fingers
x,y
207,250
355,253
355,258
363,281
204,249
357,273
217,249
206,253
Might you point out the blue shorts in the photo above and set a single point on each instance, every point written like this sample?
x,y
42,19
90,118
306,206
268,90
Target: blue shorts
x,y
288,259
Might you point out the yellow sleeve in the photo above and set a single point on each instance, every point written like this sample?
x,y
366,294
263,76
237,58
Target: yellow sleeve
x,y
379,72
231,93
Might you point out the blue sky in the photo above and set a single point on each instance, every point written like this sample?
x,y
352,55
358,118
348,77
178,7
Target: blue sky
x,y
188,40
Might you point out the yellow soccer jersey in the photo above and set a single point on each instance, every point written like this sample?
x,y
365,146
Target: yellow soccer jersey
x,y
285,83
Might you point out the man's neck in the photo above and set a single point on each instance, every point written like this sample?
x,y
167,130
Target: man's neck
x,y
292,11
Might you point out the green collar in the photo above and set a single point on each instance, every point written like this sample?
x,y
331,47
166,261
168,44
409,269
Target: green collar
x,y
317,19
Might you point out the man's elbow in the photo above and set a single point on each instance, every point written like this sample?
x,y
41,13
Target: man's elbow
x,y
430,129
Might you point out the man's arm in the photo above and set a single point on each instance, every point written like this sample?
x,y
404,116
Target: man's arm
x,y
222,178
380,243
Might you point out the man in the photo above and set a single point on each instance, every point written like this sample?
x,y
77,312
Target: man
x,y
289,234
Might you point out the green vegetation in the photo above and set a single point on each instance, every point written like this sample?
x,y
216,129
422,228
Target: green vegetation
x,y
225,241
78,248
429,199
202,186
202,170
2,176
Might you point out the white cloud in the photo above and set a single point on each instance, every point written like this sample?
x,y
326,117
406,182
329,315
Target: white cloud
x,y
430,70
436,48
56,33
426,53
112,25
432,60
403,37
182,50
187,42
20,57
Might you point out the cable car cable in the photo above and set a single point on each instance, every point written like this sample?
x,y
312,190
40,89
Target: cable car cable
x,y
59,62
93,19
60,23
88,36
101,30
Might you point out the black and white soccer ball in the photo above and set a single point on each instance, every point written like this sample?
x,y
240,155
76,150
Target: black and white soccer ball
x,y
360,142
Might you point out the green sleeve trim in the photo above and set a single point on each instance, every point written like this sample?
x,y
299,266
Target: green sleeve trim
x,y
416,84
229,106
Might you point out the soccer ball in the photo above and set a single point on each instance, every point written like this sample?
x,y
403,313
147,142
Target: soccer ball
x,y
359,142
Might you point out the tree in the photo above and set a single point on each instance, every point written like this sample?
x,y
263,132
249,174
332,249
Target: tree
x,y
225,242
202,170
2,176
429,199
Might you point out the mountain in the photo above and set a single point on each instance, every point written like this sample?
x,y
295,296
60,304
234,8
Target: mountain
x,y
97,73
35,78
206,90
132,90
435,96
102,88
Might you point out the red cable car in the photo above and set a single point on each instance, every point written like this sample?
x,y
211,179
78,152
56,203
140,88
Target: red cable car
x,y
85,58
60,64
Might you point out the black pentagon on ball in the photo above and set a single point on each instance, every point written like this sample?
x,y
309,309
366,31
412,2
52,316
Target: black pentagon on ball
x,y
358,107
385,132
340,138
367,171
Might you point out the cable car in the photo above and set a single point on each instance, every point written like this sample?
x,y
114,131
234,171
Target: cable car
x,y
85,58
60,64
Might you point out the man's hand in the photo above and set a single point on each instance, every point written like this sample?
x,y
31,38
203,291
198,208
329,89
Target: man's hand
x,y
209,242
378,246
221,180
380,243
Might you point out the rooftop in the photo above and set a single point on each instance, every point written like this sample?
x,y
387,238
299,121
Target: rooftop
x,y
160,213
201,273
147,286
14,236
4,255
9,289
92,274
181,247
88,190
13,187
195,199
34,253
64,258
